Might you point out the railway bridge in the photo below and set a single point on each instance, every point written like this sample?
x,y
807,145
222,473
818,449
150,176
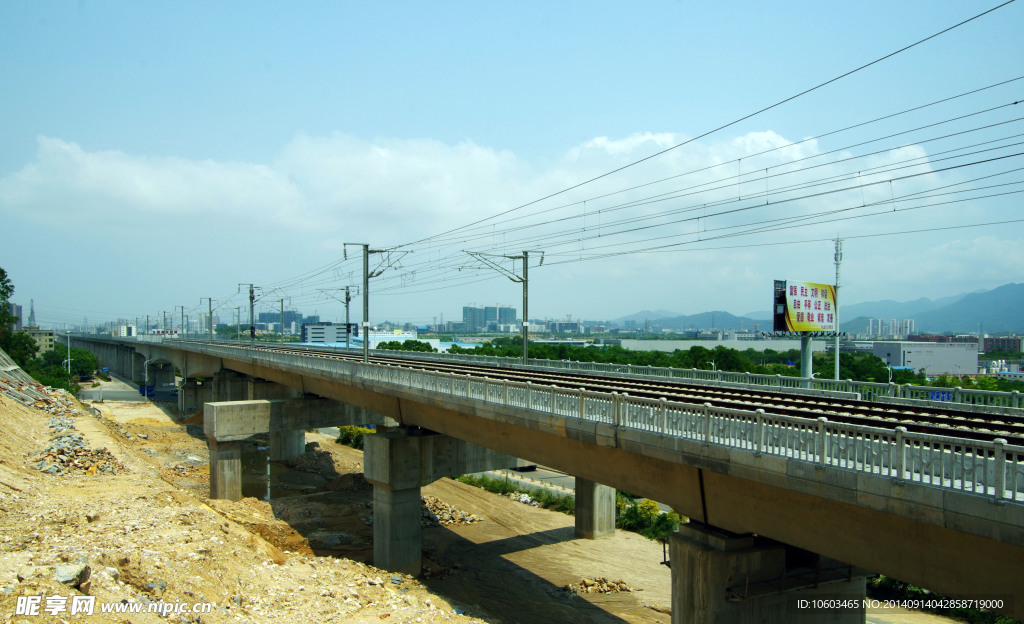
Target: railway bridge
x,y
791,495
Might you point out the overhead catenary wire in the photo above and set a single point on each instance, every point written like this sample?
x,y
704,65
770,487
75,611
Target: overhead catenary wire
x,y
439,269
737,121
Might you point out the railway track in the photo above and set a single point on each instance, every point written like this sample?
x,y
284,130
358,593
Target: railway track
x,y
918,418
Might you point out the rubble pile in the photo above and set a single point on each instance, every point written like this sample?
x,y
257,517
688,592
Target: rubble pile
x,y
35,394
598,585
525,499
434,513
67,452
437,513
314,459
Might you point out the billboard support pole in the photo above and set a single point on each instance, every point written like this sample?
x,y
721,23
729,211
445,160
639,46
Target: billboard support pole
x,y
838,259
805,358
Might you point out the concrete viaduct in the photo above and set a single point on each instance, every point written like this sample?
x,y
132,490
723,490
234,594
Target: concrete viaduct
x,y
767,528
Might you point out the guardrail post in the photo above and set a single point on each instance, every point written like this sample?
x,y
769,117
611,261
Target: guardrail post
x,y
504,382
901,452
1016,398
663,415
583,406
529,395
616,400
820,450
956,394
554,400
487,391
999,456
759,433
707,423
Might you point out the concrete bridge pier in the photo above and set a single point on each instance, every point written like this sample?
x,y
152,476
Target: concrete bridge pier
x,y
287,444
135,368
595,509
227,423
398,462
283,444
726,578
161,376
192,394
230,386
225,469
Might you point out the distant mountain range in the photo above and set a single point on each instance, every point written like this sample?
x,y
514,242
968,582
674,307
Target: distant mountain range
x,y
998,310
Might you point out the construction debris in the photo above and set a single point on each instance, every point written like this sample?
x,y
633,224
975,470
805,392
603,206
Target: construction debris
x,y
598,585
437,513
434,513
67,452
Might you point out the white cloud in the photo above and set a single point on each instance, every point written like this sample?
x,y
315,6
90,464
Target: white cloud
x,y
321,191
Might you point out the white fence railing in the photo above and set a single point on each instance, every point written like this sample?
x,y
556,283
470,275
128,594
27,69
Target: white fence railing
x,y
868,391
994,469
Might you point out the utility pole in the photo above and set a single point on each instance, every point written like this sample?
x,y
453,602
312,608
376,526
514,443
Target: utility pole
x,y
238,323
68,334
526,307
367,274
524,279
282,319
252,323
366,304
209,318
838,259
346,300
348,334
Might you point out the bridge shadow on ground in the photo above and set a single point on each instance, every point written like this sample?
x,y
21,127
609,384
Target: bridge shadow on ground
x,y
480,575
496,569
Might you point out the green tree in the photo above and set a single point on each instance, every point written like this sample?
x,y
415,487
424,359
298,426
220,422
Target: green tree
x,y
6,318
408,345
83,363
21,347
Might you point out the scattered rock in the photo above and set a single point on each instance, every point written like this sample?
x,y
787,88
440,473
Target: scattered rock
x,y
73,574
598,585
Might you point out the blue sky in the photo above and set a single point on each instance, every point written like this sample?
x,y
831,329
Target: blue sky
x,y
157,153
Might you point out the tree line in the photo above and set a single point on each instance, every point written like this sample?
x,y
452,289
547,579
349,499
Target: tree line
x,y
49,368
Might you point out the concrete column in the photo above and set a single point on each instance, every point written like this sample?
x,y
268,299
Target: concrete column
x,y
287,444
396,529
595,509
162,377
192,395
229,386
725,578
225,469
138,369
261,389
398,462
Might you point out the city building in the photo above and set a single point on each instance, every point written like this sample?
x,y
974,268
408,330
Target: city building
x,y
43,337
473,318
932,357
290,316
325,332
15,310
490,318
1005,343
126,331
564,327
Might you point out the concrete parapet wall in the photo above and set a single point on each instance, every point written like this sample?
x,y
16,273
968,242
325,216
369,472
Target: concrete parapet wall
x,y
966,408
237,420
402,461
